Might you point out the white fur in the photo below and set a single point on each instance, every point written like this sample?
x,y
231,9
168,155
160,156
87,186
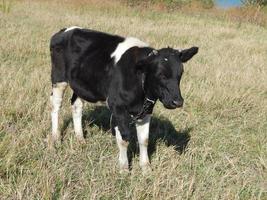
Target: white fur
x,y
128,43
72,27
56,99
142,128
77,117
123,158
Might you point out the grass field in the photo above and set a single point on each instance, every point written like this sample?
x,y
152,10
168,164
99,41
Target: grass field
x,y
213,148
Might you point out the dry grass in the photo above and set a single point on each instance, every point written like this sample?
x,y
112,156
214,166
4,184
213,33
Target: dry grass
x,y
221,132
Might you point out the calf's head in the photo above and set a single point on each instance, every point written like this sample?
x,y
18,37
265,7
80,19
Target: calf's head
x,y
164,69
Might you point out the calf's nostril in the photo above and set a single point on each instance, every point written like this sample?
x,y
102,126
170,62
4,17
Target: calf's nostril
x,y
177,103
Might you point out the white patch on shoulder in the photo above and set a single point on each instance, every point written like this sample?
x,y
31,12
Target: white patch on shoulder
x,y
71,28
128,43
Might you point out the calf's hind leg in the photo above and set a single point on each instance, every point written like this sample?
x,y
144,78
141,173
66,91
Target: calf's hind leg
x,y
56,100
77,105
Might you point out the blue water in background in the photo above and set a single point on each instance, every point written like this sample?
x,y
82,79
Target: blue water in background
x,y
228,3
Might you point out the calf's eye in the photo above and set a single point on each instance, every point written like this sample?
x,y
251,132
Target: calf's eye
x,y
162,76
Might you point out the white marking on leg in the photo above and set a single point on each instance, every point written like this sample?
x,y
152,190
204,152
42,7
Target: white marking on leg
x,y
77,109
142,128
72,27
128,43
123,145
56,100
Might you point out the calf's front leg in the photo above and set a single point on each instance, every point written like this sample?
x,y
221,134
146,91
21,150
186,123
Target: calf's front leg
x,y
142,128
121,124
123,147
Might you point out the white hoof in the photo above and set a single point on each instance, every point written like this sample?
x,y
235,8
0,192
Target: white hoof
x,y
124,170
80,139
146,169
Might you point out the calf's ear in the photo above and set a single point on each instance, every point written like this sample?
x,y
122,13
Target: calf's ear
x,y
187,54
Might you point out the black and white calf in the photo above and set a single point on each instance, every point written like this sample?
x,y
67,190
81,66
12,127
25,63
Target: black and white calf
x,y
125,72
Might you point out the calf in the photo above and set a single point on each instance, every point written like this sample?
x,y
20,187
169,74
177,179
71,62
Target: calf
x,y
125,72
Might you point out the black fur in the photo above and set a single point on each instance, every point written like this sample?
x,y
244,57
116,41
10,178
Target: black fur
x,y
82,58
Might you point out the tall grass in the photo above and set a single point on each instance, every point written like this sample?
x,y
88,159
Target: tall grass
x,y
213,148
173,4
252,12
5,6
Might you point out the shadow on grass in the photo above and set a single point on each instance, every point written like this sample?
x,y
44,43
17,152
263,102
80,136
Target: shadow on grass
x,y
100,117
161,129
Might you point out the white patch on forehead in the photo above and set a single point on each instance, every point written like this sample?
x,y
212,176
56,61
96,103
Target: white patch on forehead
x,y
128,43
71,28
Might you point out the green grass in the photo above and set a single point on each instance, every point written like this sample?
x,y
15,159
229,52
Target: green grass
x,y
213,148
